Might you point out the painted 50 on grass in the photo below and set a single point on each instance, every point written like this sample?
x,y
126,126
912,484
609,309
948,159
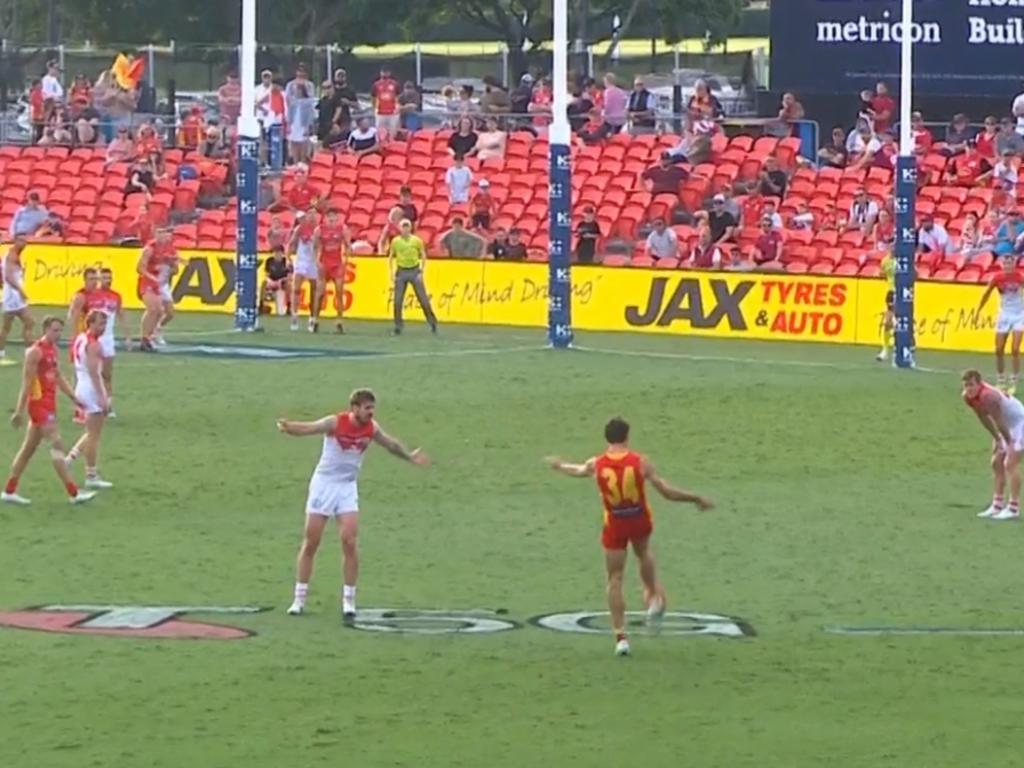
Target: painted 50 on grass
x,y
714,304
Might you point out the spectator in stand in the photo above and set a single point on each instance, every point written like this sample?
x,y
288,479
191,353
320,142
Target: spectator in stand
x,y
51,227
771,212
115,105
884,231
705,254
968,169
516,249
662,242
36,109
363,139
752,209
863,212
1008,232
29,217
328,116
958,134
143,227
704,103
348,97
1009,139
61,129
302,195
860,141
1018,113
986,139
835,154
147,141
266,112
498,247
969,244
460,243
790,112
410,107
615,106
143,177
80,96
229,101
540,104
490,143
459,180
579,110
923,138
483,207
803,218
495,100
391,230
53,91
588,234
384,93
121,149
87,129
1005,177
463,141
767,251
212,148
467,106
872,152
521,95
407,206
641,109
933,237
883,108
299,101
885,155
277,281
49,137
730,206
193,127
665,177
773,179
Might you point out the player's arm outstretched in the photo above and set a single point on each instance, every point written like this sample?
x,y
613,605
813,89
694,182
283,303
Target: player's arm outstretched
x,y
986,294
75,312
586,469
670,492
27,378
395,448
306,428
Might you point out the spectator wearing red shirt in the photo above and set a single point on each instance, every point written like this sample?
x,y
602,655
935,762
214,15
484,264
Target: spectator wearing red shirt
x,y
229,101
80,96
767,252
665,177
986,140
968,169
706,254
923,138
143,228
883,107
884,231
385,92
482,206
36,109
193,126
540,103
303,195
753,207
147,141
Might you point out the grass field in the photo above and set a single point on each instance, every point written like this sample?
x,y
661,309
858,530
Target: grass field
x,y
846,496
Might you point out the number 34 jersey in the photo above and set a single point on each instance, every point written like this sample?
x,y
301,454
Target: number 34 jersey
x,y
620,481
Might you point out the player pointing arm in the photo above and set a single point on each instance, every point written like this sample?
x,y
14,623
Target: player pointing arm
x,y
667,490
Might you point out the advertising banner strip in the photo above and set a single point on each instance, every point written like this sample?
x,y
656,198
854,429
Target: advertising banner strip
x,y
715,304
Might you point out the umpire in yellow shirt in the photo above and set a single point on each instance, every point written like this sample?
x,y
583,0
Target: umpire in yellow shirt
x,y
407,261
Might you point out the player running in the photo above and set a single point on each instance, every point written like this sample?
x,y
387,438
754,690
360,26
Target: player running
x,y
621,477
1009,282
15,300
38,397
888,268
1002,415
79,307
154,268
91,392
333,244
307,268
333,490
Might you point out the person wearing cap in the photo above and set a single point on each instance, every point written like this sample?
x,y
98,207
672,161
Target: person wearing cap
x,y
863,211
483,207
53,91
29,217
407,262
384,93
932,237
521,95
720,220
1008,138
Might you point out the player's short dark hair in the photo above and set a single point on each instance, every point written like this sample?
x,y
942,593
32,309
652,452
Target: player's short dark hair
x,y
460,156
90,271
616,430
972,376
332,211
93,316
458,220
106,271
405,191
362,396
50,320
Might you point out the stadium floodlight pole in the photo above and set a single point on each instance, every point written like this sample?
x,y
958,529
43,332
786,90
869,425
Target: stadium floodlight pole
x,y
248,181
560,187
903,202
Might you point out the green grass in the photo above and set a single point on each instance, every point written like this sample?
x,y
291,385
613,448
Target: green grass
x,y
846,495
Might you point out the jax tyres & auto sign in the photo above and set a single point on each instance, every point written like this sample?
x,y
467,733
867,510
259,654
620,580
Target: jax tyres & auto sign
x,y
960,46
715,304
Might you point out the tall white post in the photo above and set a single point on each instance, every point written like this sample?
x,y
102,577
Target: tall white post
x,y
560,187
906,79
904,198
247,124
247,179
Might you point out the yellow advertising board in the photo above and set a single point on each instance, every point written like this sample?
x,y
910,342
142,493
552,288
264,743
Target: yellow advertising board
x,y
726,305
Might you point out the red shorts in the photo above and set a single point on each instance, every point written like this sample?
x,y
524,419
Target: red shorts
x,y
148,286
619,532
333,270
41,414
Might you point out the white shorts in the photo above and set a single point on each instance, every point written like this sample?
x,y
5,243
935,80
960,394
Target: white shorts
x,y
1016,438
87,395
332,498
165,294
1007,322
13,301
108,347
305,262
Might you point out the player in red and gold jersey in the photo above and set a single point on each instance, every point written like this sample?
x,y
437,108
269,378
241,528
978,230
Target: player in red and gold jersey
x,y
38,398
79,302
159,258
621,477
333,244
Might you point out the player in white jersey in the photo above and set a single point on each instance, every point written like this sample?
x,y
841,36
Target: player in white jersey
x,y
112,306
90,391
167,271
14,302
333,490
1002,416
1009,282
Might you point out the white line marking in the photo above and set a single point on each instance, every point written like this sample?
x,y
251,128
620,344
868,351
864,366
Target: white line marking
x,y
748,360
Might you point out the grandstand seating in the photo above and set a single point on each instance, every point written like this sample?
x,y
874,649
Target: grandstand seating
x,y
88,195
